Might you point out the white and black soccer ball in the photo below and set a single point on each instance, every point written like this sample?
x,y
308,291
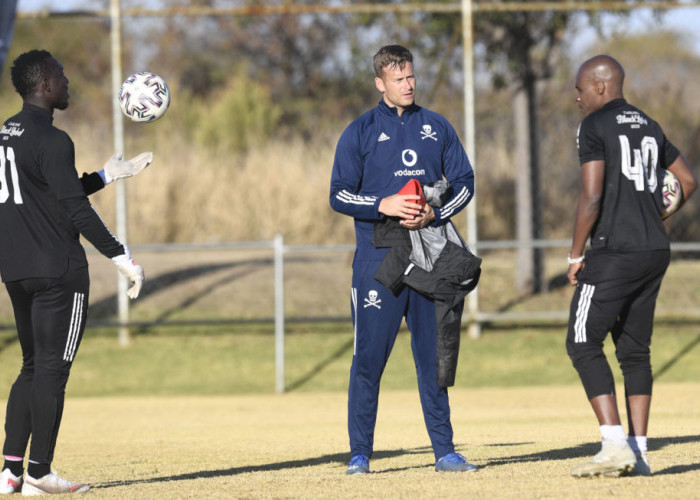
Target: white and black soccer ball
x,y
671,194
144,97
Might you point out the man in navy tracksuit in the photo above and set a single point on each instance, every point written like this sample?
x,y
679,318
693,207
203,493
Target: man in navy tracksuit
x,y
375,157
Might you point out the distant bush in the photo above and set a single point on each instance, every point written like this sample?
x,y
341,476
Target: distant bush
x,y
239,115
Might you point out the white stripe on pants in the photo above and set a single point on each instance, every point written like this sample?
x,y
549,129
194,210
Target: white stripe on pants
x,y
75,324
584,305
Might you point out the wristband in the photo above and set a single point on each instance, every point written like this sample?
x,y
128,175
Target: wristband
x,y
103,175
576,260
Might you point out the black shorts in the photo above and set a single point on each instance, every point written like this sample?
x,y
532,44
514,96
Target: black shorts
x,y
616,293
617,286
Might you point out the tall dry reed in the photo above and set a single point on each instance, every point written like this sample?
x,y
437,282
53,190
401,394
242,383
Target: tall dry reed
x,y
191,194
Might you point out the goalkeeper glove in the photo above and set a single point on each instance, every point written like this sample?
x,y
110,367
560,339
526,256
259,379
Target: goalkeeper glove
x,y
133,272
117,168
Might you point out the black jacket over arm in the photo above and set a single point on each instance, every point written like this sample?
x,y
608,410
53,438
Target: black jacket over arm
x,y
452,276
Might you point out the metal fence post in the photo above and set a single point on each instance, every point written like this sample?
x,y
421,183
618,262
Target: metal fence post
x,y
470,136
116,48
279,313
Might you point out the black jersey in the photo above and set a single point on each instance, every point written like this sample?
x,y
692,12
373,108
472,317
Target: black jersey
x,y
43,204
635,150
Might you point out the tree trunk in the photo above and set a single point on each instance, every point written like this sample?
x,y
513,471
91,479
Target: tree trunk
x,y
529,272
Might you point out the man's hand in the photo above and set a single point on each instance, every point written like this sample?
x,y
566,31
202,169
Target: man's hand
x,y
573,271
132,271
400,205
425,217
117,168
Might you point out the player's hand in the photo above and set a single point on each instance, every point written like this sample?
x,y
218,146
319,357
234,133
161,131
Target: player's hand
x,y
425,217
400,205
118,168
573,271
133,272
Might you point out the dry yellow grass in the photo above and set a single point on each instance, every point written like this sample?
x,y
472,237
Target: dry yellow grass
x,y
525,440
193,194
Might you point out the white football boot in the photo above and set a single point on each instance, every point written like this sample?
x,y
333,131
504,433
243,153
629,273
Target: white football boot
x,y
612,460
9,483
51,484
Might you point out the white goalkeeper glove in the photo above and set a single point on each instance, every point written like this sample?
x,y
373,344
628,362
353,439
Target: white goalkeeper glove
x,y
118,168
133,272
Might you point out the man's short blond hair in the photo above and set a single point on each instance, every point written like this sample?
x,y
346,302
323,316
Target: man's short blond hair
x,y
391,56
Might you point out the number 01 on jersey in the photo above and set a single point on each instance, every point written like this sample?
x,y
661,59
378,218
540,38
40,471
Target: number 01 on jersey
x,y
7,159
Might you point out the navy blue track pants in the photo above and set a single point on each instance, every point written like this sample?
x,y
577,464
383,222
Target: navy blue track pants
x,y
377,315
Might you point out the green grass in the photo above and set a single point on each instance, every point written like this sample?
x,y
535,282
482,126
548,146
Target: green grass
x,y
240,359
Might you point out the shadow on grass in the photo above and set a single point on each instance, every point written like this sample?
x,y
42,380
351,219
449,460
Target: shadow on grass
x,y
320,366
108,306
589,449
677,469
683,352
335,458
7,340
189,301
583,451
557,282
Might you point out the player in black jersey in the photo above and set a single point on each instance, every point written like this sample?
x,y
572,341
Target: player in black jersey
x,y
43,210
622,153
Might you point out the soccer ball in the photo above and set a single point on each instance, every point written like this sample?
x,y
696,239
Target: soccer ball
x,y
144,97
671,194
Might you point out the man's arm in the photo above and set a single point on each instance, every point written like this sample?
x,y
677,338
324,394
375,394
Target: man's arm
x,y
92,183
346,180
90,225
115,168
58,168
587,211
459,173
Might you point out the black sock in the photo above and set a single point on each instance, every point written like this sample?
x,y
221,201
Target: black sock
x,y
37,471
15,466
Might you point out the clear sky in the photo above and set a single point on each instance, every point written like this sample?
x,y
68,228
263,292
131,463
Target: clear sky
x,y
686,20
682,20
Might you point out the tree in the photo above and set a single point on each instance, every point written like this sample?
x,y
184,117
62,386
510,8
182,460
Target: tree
x,y
521,50
299,57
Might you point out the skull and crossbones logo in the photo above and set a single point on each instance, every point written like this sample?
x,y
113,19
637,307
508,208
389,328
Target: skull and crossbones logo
x,y
373,299
427,132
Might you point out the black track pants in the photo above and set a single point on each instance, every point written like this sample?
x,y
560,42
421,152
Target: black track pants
x,y
50,316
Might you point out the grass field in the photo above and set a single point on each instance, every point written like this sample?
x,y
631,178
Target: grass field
x,y
193,415
190,411
525,441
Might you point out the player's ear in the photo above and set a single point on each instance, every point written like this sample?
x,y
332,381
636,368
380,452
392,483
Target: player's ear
x,y
600,87
379,84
